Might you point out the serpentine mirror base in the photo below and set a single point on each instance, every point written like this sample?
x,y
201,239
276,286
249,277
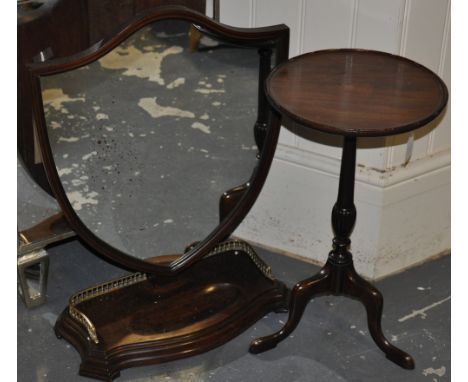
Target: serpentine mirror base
x,y
166,318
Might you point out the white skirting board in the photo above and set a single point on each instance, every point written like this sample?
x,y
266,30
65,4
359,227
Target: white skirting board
x,y
403,214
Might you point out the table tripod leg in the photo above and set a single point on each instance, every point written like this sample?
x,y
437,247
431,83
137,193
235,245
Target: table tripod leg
x,y
300,296
338,276
371,298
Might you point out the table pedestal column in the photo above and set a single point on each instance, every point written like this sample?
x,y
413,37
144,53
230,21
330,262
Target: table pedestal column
x,y
338,276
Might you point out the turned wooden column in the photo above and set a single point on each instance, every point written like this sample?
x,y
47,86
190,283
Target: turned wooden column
x,y
352,93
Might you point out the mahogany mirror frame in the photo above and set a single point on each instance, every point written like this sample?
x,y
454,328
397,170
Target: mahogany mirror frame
x,y
272,38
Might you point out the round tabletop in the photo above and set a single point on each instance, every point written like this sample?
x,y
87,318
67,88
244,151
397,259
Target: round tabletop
x,y
356,92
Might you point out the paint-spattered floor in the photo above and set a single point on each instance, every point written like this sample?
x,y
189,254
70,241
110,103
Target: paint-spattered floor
x,y
153,118
331,343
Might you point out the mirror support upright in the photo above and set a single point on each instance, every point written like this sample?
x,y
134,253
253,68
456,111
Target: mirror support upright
x,y
175,306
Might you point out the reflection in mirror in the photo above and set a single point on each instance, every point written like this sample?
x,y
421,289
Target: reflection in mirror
x,y
148,138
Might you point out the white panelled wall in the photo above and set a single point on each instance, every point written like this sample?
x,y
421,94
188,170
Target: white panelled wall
x,y
403,183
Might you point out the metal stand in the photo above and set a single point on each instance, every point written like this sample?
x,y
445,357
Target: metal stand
x,y
32,282
33,260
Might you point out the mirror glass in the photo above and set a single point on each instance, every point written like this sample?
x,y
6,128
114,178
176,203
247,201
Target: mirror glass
x,y
147,138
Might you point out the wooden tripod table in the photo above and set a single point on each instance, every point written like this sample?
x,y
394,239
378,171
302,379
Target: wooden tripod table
x,y
353,93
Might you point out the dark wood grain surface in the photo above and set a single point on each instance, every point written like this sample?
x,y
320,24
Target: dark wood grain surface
x,y
356,92
166,318
48,230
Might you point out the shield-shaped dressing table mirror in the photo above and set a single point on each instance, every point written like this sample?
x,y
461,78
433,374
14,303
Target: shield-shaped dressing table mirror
x,y
156,151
